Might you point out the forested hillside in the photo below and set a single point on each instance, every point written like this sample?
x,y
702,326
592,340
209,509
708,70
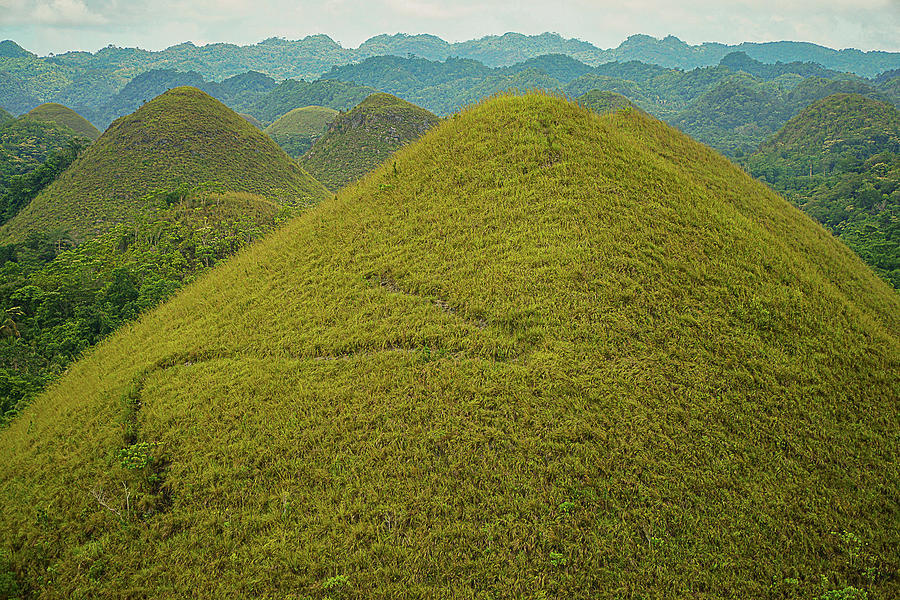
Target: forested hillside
x,y
839,160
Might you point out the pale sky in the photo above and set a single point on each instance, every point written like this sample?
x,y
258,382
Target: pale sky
x,y
45,26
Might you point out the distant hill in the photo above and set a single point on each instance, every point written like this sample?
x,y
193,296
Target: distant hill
x,y
183,137
10,49
839,160
540,353
604,102
296,131
25,144
252,120
63,115
360,140
290,94
5,116
236,91
84,80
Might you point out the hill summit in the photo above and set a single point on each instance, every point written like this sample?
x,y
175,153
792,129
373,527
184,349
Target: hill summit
x,y
541,353
361,139
182,137
63,115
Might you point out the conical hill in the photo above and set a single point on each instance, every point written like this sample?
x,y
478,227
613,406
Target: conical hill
x,y
63,115
296,130
182,137
541,353
363,138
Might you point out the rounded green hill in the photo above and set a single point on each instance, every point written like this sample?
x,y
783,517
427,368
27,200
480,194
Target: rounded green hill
x,y
363,138
601,101
541,353
837,124
182,137
63,115
297,130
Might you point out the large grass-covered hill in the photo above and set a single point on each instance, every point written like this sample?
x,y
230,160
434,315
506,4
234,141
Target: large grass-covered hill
x,y
182,137
541,353
839,160
296,131
361,139
63,115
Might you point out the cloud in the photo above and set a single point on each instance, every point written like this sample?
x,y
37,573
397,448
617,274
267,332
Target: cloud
x,y
58,13
424,9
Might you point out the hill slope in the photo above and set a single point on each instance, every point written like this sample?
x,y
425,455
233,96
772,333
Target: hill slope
x,y
360,140
296,131
839,160
542,353
63,115
182,137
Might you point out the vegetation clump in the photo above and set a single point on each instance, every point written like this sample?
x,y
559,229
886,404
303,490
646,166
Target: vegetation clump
x,y
541,352
361,139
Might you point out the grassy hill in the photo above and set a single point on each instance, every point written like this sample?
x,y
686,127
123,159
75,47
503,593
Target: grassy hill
x,y
182,137
63,115
296,131
541,353
4,116
603,102
360,140
839,160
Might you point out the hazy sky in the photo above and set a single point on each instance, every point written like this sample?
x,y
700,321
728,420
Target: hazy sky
x,y
57,25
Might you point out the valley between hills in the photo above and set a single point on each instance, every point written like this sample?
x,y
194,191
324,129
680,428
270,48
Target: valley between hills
x,y
512,317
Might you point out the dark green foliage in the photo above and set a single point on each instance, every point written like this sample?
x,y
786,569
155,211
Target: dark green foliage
x,y
5,116
22,189
604,102
25,144
360,140
558,66
739,61
57,301
10,49
839,160
183,137
63,115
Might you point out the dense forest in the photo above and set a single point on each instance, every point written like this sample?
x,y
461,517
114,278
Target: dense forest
x,y
839,160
